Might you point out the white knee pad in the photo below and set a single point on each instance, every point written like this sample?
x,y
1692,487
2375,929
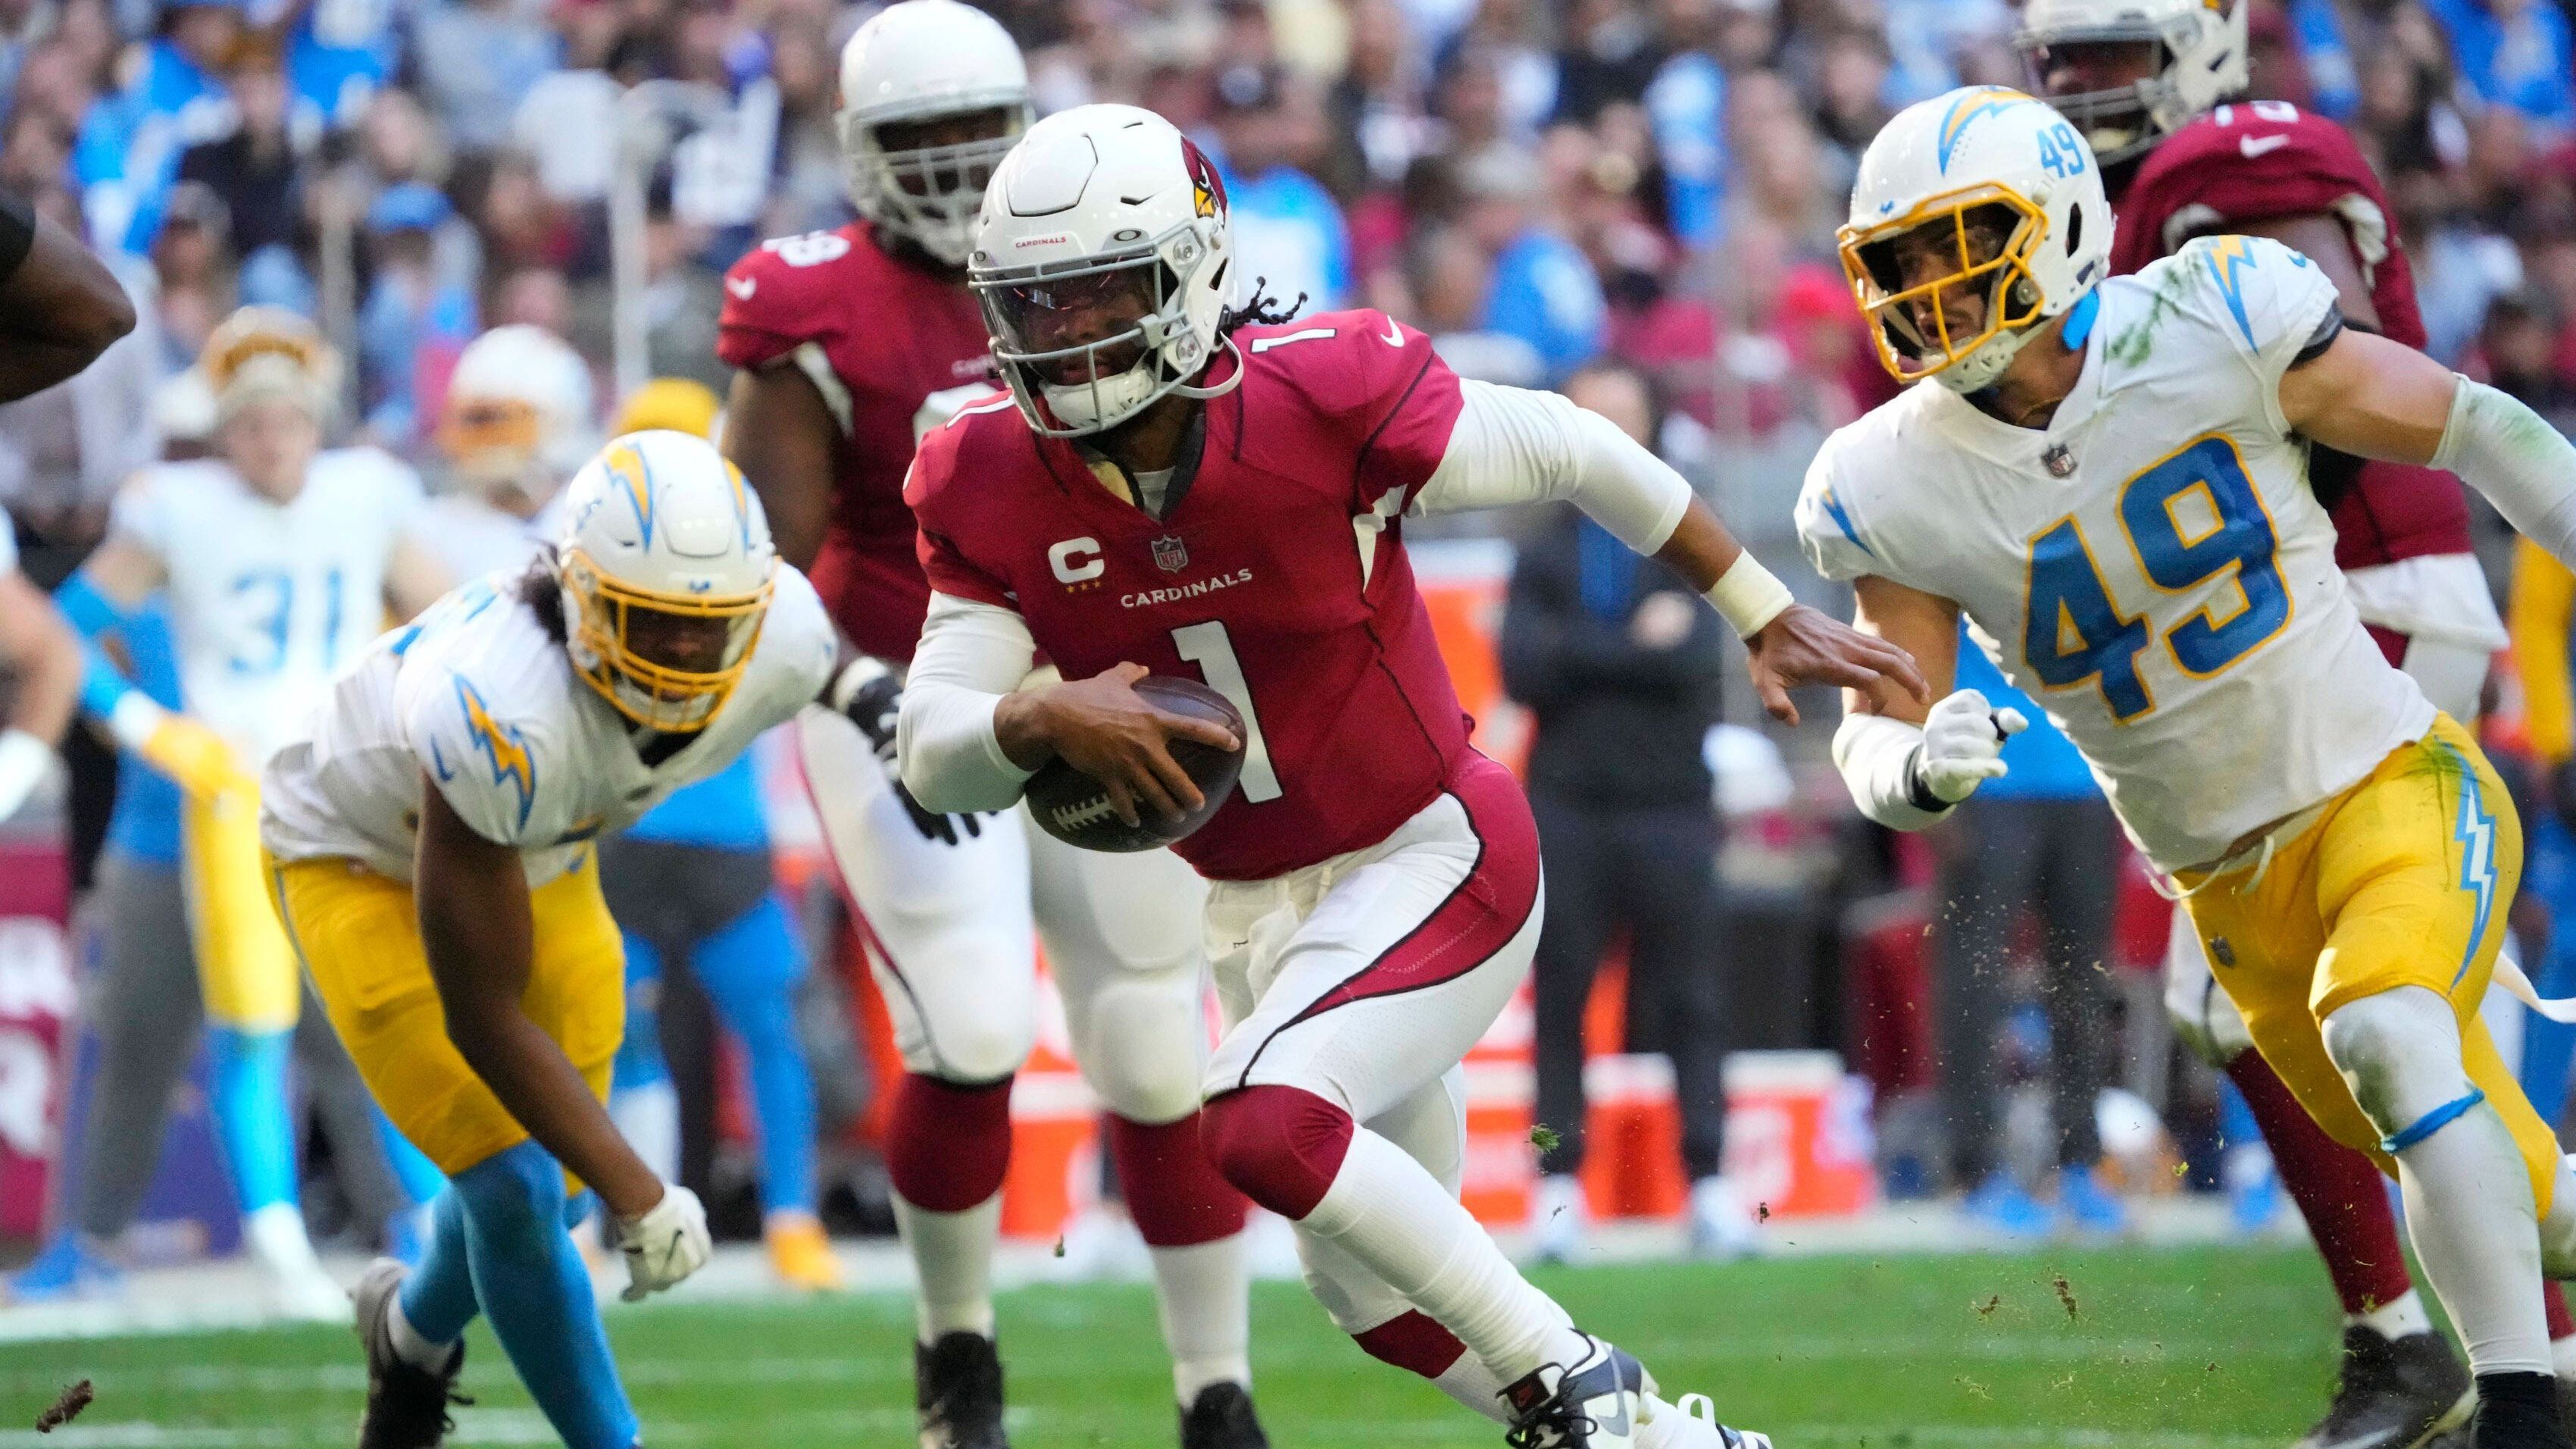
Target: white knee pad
x,y
2399,1051
2203,1017
1141,1040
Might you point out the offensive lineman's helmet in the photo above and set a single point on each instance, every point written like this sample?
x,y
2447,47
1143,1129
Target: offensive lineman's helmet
x,y
518,413
666,569
2005,185
1101,261
921,61
2201,60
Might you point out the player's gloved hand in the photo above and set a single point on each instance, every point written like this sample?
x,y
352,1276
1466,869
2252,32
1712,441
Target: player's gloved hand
x,y
866,692
666,1244
1963,745
194,757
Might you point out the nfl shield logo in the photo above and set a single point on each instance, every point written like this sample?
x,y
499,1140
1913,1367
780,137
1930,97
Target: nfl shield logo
x,y
2058,460
1170,554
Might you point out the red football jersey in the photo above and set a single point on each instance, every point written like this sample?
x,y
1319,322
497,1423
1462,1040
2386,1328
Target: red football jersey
x,y
895,334
1279,577
2260,160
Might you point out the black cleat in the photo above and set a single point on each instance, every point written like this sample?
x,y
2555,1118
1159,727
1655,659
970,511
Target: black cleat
x,y
406,1404
2405,1393
1594,1404
2518,1411
1221,1417
957,1385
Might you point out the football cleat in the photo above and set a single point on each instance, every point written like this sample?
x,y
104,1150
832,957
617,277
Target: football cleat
x,y
800,1253
1594,1404
1692,1424
957,1386
1221,1417
406,1404
2396,1394
68,1268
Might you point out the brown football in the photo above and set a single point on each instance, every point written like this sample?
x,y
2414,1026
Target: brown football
x,y
1074,808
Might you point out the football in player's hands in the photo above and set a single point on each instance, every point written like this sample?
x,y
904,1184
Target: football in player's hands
x,y
1077,809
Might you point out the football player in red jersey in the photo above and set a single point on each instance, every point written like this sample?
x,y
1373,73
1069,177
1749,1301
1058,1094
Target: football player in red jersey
x,y
2157,87
1170,490
845,341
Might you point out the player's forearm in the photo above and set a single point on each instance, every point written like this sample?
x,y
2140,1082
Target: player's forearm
x,y
2525,467
46,656
957,699
779,432
533,1078
59,308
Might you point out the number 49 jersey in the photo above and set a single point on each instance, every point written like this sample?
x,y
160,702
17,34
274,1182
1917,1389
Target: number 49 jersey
x,y
2151,567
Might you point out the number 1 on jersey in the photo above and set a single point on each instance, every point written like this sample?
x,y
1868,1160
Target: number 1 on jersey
x,y
1207,646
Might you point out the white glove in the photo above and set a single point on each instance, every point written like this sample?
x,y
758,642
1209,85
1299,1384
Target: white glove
x,y
1963,745
24,759
666,1244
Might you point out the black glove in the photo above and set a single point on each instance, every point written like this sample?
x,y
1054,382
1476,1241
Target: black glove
x,y
867,694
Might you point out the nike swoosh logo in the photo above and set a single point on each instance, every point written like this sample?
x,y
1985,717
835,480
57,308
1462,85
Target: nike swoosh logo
x,y
1394,333
743,287
2254,146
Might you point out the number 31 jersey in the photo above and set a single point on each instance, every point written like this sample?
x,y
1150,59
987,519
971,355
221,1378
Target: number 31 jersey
x,y
2151,567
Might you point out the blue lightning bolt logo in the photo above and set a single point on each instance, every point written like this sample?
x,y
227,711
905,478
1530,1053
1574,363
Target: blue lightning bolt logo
x,y
1984,100
1834,509
2228,259
634,477
2476,834
502,748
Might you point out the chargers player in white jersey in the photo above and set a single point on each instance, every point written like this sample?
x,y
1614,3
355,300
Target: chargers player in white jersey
x,y
430,831
2108,479
281,560
517,422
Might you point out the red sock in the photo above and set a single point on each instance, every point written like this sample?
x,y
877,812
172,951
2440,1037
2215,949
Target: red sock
x,y
2341,1192
1173,1192
2553,1296
948,1147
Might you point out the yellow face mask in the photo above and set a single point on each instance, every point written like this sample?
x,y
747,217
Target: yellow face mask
x,y
666,661
1987,234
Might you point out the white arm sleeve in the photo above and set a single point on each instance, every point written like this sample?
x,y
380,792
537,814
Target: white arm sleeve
x,y
1512,445
971,655
1877,758
2513,456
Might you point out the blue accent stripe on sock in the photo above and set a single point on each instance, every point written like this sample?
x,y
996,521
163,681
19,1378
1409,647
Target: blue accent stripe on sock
x,y
2432,1122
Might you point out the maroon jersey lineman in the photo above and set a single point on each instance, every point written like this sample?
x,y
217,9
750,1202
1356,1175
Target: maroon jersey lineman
x,y
893,334
1277,576
2259,160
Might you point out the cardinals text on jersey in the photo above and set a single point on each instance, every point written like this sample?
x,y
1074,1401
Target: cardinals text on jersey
x,y
880,337
1274,575
480,697
2172,600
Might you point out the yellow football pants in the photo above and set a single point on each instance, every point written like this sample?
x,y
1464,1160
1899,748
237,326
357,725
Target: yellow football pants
x,y
245,969
359,936
2402,880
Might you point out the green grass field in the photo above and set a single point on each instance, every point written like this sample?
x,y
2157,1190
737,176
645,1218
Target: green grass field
x,y
2139,1350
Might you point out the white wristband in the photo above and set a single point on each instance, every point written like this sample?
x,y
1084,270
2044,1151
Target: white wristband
x,y
24,759
1749,595
134,719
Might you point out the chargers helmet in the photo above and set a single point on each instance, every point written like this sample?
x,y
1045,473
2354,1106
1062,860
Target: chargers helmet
x,y
518,413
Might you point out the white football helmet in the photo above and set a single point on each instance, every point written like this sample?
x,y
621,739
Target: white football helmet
x,y
259,353
2201,60
518,415
2005,185
922,61
666,568
1102,262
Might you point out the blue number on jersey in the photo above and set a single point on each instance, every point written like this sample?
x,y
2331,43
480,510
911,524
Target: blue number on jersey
x,y
2072,631
2178,555
279,586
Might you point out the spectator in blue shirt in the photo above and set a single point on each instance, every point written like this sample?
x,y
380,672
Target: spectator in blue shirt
x,y
2038,843
477,60
412,314
1288,229
129,145
2513,53
1544,290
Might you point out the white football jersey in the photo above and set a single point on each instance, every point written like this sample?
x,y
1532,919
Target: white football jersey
x,y
477,695
473,538
2151,567
269,600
